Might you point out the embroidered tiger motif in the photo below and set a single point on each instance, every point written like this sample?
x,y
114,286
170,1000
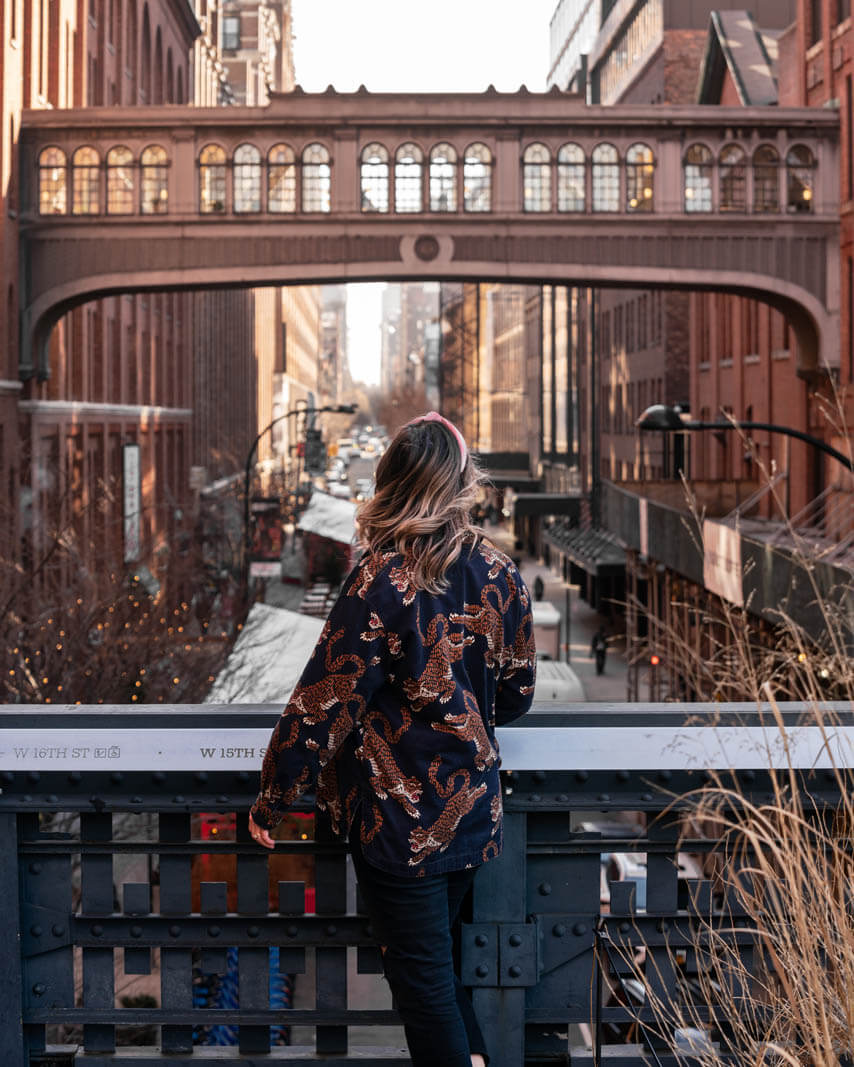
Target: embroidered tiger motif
x,y
487,620
425,840
336,687
436,681
386,778
468,726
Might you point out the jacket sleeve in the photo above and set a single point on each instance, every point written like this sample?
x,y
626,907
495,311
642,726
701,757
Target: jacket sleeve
x,y
347,666
515,690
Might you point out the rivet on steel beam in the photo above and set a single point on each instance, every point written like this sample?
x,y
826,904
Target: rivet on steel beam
x,y
36,930
331,930
222,799
35,868
158,776
481,970
515,940
663,926
8,776
39,989
647,798
243,776
34,776
539,776
515,971
579,929
582,776
136,931
562,798
291,931
117,777
535,798
214,931
559,930
665,776
605,797
178,799
51,798
480,940
253,931
136,800
369,930
623,776
174,931
544,888
27,797
201,776
96,930
748,776
58,930
75,776
625,928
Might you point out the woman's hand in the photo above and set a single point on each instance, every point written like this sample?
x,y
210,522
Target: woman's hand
x,y
260,835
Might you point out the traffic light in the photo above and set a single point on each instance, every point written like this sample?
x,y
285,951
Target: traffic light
x,y
315,452
654,660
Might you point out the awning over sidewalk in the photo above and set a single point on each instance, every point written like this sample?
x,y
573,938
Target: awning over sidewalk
x,y
546,504
329,517
267,659
595,550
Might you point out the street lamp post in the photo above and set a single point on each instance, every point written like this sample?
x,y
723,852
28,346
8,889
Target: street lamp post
x,y
340,409
669,419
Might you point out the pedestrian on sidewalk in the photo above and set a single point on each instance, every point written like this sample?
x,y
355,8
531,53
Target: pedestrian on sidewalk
x,y
428,647
598,649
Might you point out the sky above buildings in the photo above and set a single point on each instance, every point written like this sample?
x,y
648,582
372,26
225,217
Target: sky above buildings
x,y
415,46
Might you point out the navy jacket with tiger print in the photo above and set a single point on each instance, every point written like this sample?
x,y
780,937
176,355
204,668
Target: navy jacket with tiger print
x,y
393,719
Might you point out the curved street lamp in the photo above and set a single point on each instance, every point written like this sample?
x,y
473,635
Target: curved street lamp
x,y
340,409
668,418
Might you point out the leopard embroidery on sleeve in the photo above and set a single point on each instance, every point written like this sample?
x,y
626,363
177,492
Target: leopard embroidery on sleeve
x,y
468,726
436,681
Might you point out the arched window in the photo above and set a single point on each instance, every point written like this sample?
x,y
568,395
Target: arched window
x,y
733,178
281,179
316,178
698,178
145,57
85,182
157,73
571,178
373,178
408,179
121,199
537,178
606,178
640,176
247,178
443,178
53,182
477,178
800,178
170,77
154,180
766,179
212,179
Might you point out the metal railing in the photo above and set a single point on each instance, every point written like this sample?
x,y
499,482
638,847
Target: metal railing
x,y
125,853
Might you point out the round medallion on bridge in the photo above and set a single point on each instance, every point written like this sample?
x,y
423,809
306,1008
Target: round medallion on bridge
x,y
426,247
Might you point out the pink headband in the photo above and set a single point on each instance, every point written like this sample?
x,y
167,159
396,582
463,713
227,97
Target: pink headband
x,y
434,416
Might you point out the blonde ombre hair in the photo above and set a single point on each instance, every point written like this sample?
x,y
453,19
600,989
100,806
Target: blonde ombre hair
x,y
425,490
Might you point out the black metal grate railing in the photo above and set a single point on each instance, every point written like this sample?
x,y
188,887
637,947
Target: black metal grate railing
x,y
120,873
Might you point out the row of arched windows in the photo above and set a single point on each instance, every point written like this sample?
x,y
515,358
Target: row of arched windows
x,y
734,168
281,182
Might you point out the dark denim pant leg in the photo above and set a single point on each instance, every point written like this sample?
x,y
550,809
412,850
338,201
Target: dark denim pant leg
x,y
412,918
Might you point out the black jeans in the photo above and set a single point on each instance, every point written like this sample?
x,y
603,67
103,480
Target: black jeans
x,y
412,918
